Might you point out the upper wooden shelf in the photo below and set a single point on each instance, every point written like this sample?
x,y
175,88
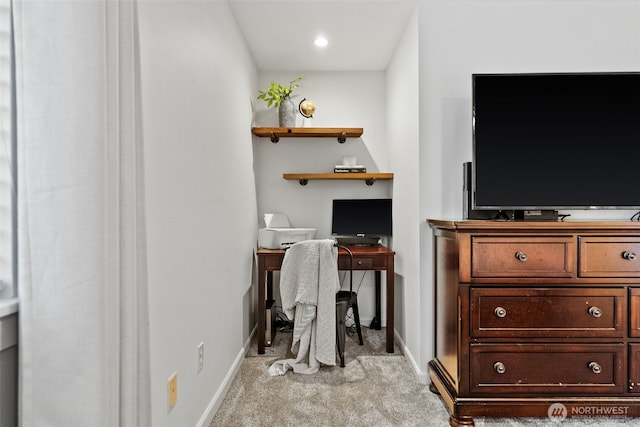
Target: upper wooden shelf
x,y
276,133
368,178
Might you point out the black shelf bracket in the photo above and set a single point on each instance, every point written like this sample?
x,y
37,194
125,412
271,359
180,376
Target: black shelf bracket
x,y
274,138
342,138
368,181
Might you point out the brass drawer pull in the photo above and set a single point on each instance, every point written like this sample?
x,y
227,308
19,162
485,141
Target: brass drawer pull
x,y
500,312
629,256
499,367
521,256
595,367
595,311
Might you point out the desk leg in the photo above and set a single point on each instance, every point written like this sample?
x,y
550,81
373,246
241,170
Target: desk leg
x,y
261,312
269,285
376,323
390,303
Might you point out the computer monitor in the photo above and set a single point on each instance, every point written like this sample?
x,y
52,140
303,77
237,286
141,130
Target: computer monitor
x,y
362,218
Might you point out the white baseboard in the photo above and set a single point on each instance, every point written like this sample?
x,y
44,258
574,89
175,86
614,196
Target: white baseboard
x,y
421,375
218,397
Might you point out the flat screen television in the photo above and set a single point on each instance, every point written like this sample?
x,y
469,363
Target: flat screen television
x,y
556,141
362,217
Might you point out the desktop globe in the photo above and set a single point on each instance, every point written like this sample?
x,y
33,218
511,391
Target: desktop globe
x,y
307,108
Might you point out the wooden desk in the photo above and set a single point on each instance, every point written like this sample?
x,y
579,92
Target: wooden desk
x,y
375,258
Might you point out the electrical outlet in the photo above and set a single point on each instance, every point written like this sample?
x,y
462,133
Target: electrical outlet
x,y
172,390
200,356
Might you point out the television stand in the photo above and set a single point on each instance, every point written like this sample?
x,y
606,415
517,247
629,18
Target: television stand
x,y
536,215
536,319
502,215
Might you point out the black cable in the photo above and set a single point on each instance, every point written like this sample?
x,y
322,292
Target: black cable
x,y
361,280
344,274
282,322
636,216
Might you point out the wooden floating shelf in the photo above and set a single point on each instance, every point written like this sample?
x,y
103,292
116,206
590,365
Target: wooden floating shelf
x,y
276,133
368,178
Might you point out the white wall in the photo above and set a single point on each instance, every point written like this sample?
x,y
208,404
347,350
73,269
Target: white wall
x,y
197,81
403,115
472,36
343,99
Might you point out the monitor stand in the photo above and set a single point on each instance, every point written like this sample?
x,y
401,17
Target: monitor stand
x,y
358,240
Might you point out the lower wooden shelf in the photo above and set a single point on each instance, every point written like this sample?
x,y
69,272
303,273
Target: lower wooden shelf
x,y
368,178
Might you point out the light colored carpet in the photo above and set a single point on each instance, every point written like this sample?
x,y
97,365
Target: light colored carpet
x,y
373,389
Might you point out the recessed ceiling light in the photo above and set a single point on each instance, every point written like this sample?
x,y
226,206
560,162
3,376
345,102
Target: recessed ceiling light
x,y
321,41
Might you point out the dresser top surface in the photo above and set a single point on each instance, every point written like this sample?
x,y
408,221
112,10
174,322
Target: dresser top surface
x,y
534,226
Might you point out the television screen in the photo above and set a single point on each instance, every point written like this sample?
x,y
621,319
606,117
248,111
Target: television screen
x,y
361,217
556,141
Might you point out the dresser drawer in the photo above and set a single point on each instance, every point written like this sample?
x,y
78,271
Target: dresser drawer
x,y
609,257
522,256
547,368
548,312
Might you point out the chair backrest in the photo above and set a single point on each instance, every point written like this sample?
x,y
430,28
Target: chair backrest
x,y
350,265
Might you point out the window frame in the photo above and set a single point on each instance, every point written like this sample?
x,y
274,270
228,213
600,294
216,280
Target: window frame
x,y
8,139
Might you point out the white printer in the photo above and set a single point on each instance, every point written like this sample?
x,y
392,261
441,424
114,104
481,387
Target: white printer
x,y
279,234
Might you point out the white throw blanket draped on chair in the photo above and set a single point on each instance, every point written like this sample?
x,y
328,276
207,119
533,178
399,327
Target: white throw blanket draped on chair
x,y
308,285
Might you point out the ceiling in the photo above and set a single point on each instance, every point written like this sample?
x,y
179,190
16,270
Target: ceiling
x,y
362,34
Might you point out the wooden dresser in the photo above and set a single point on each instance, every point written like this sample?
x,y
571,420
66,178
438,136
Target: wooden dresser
x,y
536,319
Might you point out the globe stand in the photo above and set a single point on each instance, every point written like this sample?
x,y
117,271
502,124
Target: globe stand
x,y
306,109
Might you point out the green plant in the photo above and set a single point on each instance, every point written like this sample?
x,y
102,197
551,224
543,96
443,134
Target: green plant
x,y
276,93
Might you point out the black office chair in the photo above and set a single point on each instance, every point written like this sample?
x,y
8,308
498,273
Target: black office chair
x,y
344,300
